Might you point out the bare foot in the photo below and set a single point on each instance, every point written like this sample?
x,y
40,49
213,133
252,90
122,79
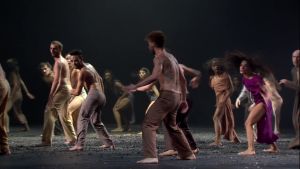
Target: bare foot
x,y
215,144
196,151
168,153
236,140
247,153
117,130
112,147
190,157
5,152
148,161
273,149
76,148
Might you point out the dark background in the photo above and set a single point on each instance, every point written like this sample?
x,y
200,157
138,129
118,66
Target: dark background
x,y
111,34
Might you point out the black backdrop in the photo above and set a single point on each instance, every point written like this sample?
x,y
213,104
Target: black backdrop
x,y
111,34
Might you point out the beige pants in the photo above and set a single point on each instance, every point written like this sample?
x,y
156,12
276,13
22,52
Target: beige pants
x,y
73,112
58,108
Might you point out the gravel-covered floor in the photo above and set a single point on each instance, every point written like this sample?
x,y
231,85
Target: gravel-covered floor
x,y
26,155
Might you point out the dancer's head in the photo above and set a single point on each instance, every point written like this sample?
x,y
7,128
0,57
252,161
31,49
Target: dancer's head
x,y
45,68
68,58
56,48
155,39
216,66
246,65
12,65
108,76
77,58
296,58
143,73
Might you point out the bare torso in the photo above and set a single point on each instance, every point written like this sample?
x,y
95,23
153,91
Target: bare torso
x,y
169,77
92,80
64,78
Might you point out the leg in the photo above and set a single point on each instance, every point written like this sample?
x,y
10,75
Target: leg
x,y
17,107
276,105
66,119
4,147
254,116
100,128
218,115
117,116
121,105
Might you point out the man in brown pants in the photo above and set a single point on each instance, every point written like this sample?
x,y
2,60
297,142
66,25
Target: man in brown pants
x,y
4,94
172,95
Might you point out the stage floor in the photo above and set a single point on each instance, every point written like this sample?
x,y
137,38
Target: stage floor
x,y
129,150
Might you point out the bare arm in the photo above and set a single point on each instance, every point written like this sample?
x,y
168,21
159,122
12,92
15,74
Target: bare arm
x,y
196,75
157,69
154,88
145,88
80,83
25,88
289,84
55,83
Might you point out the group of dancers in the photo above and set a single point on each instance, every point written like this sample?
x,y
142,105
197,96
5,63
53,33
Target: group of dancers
x,y
77,97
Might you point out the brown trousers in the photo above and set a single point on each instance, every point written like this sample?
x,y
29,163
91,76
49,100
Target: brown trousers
x,y
164,109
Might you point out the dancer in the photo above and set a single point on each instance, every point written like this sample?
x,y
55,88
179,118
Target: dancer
x,y
172,94
16,97
151,90
75,102
58,96
261,112
295,85
4,96
182,117
91,108
123,108
47,76
220,82
272,87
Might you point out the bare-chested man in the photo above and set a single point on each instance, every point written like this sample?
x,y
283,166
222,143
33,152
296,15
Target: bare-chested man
x,y
75,102
59,95
16,97
47,76
91,108
295,85
4,95
172,94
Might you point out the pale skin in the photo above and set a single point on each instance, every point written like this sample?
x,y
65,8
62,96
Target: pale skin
x,y
255,115
61,71
165,81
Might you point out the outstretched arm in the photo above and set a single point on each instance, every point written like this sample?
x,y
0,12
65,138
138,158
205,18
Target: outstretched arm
x,y
196,75
157,69
30,96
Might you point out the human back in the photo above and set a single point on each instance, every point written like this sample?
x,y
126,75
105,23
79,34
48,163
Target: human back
x,y
169,78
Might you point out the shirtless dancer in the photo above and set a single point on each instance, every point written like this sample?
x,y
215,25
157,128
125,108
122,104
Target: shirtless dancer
x,y
91,108
75,102
182,118
47,76
172,95
59,95
16,97
4,94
